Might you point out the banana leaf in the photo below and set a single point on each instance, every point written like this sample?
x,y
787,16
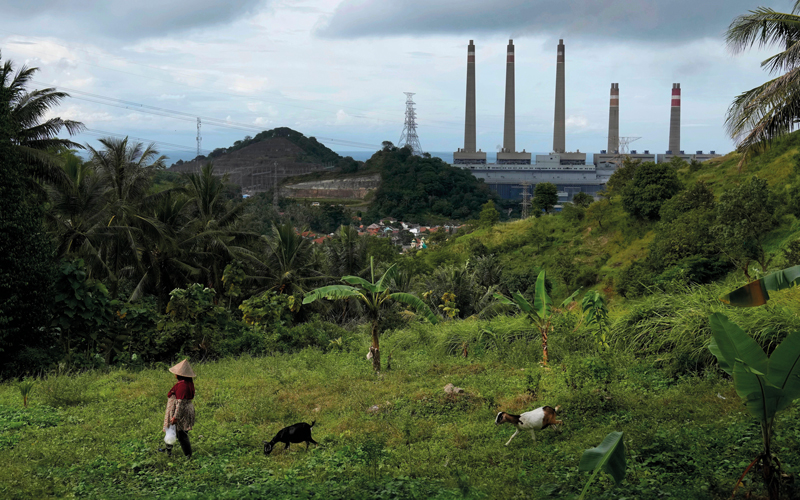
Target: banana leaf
x,y
730,344
609,456
332,292
756,293
541,301
417,303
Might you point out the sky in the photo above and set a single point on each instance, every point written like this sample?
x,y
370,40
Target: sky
x,y
338,69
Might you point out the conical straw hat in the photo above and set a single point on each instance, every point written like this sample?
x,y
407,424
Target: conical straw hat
x,y
184,369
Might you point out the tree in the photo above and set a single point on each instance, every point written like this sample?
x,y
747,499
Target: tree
x,y
545,196
582,199
489,214
623,175
33,137
744,218
651,186
26,266
126,170
540,314
376,297
759,115
288,263
696,197
346,252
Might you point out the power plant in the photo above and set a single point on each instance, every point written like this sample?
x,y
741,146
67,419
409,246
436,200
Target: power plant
x,y
513,171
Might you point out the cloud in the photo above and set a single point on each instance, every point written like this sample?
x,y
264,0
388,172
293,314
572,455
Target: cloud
x,y
123,19
648,20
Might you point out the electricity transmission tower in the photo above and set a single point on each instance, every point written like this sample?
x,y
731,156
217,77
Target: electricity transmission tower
x,y
623,149
526,200
409,135
199,137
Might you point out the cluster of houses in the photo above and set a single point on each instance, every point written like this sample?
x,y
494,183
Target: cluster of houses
x,y
406,235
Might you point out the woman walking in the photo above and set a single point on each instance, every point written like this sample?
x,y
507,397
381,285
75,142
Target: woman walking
x,y
180,410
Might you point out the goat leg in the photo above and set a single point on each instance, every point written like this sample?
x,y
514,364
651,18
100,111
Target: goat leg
x,y
533,435
512,437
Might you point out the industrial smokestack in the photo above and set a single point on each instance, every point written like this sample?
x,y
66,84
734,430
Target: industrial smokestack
x,y
559,139
675,120
508,125
613,119
469,122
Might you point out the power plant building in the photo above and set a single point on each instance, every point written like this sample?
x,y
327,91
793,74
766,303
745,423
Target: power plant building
x,y
513,171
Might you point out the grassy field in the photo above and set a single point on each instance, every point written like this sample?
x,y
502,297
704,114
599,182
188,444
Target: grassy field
x,y
394,435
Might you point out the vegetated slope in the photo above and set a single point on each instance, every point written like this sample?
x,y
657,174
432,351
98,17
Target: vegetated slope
x,y
595,246
420,189
312,150
394,436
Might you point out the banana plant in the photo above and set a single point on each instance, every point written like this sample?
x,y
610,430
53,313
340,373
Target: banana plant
x,y
376,297
756,293
540,314
608,456
766,384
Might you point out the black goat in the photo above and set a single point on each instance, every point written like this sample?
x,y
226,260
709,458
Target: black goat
x,y
296,433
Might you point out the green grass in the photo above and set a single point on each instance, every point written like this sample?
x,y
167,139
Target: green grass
x,y
94,435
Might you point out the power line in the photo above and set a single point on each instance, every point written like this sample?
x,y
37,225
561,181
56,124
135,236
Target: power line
x,y
103,133
191,117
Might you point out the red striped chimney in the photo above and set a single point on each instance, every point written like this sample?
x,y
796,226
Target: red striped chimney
x,y
675,120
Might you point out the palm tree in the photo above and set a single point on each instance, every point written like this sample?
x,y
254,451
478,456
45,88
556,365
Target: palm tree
x,y
289,262
218,238
759,115
376,296
34,138
77,210
126,170
346,252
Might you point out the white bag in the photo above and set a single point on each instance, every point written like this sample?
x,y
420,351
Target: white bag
x,y
172,435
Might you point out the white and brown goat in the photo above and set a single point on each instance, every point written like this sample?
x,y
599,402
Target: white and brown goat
x,y
534,420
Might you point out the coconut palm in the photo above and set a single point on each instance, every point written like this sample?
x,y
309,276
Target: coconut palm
x,y
34,137
218,238
289,262
759,115
126,170
376,296
76,212
346,252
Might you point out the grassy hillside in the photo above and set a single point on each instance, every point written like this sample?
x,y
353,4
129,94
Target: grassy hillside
x,y
593,248
396,435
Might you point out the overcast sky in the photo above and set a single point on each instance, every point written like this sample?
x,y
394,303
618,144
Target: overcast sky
x,y
338,69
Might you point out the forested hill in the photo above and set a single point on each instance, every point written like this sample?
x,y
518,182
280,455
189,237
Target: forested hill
x,y
306,150
715,222
424,189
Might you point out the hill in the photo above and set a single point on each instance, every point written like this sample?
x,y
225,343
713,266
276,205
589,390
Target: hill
x,y
602,245
255,163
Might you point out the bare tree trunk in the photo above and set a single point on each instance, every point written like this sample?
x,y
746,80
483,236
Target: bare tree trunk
x,y
544,347
375,348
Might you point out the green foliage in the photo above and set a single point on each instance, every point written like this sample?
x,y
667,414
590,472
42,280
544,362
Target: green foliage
x,y
767,384
545,196
267,309
26,265
594,308
315,151
744,218
25,389
82,311
608,456
651,186
622,176
415,189
193,325
489,214
582,199
698,197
